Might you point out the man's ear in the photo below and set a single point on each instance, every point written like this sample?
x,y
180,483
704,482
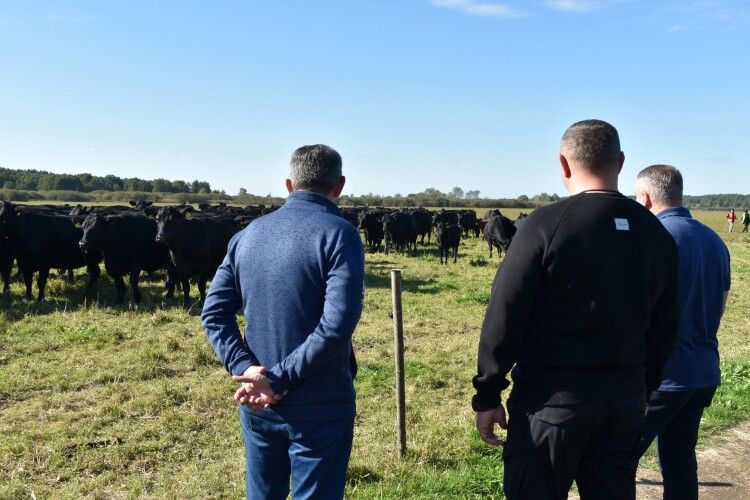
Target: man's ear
x,y
339,187
565,166
289,187
622,161
647,201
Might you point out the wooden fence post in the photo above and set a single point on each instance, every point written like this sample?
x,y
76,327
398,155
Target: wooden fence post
x,y
398,343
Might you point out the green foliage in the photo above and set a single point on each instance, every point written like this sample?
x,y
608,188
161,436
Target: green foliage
x,y
38,180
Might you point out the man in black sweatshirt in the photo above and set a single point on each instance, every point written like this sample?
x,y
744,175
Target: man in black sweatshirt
x,y
585,305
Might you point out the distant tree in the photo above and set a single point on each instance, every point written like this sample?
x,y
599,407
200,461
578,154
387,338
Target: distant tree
x,y
243,192
472,195
456,192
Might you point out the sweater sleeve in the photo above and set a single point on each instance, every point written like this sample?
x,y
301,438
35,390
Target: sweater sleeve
x,y
342,308
219,317
506,320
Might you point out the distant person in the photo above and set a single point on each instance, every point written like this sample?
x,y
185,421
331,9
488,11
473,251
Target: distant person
x,y
692,374
298,276
745,221
731,217
585,306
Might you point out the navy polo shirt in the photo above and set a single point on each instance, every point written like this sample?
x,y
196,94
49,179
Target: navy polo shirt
x,y
704,277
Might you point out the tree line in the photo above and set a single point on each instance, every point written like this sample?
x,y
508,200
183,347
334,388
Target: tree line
x,y
39,180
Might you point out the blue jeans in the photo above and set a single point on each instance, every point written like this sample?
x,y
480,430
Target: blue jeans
x,y
314,454
673,418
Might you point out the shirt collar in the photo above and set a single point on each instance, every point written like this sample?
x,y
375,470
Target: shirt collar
x,y
674,212
311,201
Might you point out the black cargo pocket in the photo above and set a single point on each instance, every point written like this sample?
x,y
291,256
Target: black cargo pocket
x,y
555,415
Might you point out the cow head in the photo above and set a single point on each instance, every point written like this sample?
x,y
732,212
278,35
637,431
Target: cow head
x,y
168,220
95,227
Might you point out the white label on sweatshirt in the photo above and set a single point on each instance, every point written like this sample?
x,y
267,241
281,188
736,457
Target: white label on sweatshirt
x,y
622,225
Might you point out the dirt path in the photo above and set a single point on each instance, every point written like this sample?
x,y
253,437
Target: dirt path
x,y
723,471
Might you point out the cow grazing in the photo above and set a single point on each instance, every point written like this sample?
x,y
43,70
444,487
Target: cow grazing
x,y
128,244
499,233
400,231
448,237
41,241
197,245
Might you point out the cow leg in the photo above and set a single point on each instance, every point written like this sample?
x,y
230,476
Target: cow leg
x,y
169,282
185,283
490,245
6,280
134,275
94,272
455,254
202,288
71,277
120,289
28,278
41,283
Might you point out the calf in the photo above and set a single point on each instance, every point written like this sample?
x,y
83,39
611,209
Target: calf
x,y
128,244
447,237
499,233
467,220
197,245
40,241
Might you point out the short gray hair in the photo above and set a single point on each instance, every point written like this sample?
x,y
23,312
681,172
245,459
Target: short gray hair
x,y
593,143
315,168
663,182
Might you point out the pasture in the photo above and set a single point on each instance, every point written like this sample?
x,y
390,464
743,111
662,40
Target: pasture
x,y
98,401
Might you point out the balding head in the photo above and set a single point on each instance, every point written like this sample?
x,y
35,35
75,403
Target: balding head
x,y
592,144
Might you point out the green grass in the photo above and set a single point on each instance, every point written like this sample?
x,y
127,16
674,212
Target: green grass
x,y
122,402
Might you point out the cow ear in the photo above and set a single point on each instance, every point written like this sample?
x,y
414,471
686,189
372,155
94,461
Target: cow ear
x,y
132,203
186,210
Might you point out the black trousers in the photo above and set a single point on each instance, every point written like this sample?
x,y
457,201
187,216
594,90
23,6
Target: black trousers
x,y
549,447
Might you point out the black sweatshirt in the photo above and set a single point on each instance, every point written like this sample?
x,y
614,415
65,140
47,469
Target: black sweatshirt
x,y
585,304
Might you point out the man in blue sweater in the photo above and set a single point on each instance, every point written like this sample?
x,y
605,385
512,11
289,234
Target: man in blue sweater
x,y
691,375
298,276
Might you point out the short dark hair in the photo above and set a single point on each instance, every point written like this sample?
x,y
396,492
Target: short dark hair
x,y
593,143
664,183
315,168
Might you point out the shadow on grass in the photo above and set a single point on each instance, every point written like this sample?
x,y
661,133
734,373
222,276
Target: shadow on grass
x,y
62,296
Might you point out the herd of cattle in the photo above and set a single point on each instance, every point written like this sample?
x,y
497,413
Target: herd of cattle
x,y
189,245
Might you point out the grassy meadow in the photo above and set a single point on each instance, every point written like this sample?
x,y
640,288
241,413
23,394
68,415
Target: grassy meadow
x,y
99,401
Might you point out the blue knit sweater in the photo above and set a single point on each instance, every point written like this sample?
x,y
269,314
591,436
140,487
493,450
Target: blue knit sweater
x,y
298,276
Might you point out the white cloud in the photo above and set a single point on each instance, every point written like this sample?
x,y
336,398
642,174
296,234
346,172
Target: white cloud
x,y
572,5
485,9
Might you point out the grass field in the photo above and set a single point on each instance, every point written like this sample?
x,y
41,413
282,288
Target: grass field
x,y
105,402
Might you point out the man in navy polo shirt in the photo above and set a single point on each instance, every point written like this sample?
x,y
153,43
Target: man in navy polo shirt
x,y
298,276
691,375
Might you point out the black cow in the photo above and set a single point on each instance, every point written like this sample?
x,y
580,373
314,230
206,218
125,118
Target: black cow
x,y
371,222
400,231
499,233
447,237
423,220
491,213
41,241
445,217
520,220
128,244
197,245
467,220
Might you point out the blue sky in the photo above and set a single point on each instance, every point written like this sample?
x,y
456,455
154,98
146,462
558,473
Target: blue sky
x,y
413,93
